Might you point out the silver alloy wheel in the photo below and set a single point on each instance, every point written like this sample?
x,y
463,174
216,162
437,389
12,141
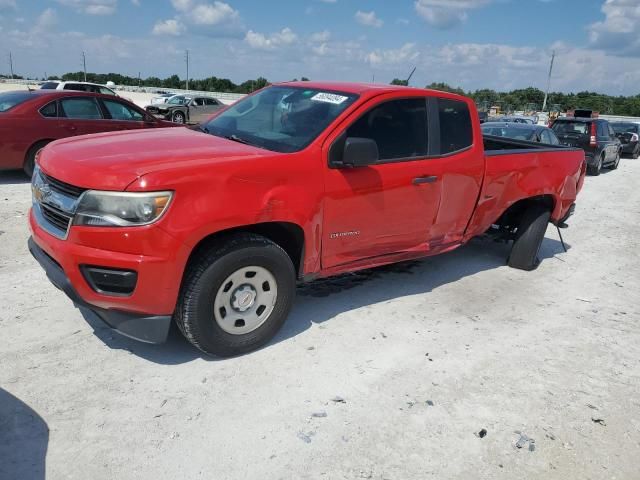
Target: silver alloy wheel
x,y
245,300
178,118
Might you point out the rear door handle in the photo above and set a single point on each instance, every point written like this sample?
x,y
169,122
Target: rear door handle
x,y
421,180
72,128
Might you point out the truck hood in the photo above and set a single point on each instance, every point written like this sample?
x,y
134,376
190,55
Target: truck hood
x,y
112,161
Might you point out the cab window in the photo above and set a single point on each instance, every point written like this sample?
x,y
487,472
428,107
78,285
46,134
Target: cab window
x,y
399,128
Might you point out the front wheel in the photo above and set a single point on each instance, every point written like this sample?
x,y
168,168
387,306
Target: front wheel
x,y
529,236
636,153
236,295
178,117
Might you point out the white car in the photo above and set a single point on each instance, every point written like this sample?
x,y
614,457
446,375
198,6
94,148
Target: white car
x,y
164,98
81,86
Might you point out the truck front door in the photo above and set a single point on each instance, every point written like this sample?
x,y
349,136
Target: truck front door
x,y
418,195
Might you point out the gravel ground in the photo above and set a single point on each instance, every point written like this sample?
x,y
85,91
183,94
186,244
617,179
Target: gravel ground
x,y
423,370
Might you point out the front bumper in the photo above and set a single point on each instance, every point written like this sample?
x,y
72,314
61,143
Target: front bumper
x,y
158,259
145,328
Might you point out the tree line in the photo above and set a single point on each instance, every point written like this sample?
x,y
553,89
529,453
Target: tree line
x,y
531,99
520,99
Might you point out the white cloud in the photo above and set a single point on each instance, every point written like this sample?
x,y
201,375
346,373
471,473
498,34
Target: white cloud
x,y
92,7
168,27
618,32
182,5
46,20
8,4
261,41
207,14
368,18
446,13
320,37
136,2
404,54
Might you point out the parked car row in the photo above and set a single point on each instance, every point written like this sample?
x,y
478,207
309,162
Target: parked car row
x,y
603,142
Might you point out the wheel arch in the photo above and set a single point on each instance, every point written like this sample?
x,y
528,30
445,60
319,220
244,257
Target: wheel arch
x,y
45,141
289,236
515,210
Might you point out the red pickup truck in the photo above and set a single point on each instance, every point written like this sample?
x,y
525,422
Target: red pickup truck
x,y
213,226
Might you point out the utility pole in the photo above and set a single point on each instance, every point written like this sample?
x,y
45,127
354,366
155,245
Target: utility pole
x,y
546,94
187,59
11,64
138,79
84,66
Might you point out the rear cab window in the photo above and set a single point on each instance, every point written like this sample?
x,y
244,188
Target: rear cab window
x,y
456,131
49,86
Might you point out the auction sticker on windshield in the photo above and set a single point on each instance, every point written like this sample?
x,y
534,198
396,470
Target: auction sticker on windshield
x,y
329,98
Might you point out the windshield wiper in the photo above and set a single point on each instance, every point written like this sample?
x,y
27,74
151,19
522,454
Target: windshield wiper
x,y
236,138
202,129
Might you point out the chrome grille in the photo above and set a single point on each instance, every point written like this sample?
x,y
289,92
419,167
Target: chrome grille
x,y
62,187
54,203
56,216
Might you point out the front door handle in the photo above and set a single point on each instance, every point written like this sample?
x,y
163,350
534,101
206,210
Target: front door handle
x,y
421,180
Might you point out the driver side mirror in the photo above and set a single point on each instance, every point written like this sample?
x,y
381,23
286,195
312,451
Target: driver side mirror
x,y
359,152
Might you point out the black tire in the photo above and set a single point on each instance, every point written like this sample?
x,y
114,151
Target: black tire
x,y
204,278
595,171
179,117
636,153
529,236
616,162
30,158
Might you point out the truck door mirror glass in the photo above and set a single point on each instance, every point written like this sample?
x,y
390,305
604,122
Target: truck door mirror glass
x,y
359,152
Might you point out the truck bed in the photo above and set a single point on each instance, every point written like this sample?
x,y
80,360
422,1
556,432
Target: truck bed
x,y
494,145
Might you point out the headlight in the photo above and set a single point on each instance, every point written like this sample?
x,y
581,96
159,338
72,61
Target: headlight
x,y
121,209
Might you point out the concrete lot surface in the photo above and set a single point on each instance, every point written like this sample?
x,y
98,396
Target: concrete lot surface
x,y
388,374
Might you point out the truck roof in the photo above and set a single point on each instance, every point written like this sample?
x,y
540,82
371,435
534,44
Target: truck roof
x,y
359,88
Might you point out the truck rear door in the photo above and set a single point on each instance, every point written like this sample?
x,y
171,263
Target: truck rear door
x,y
420,193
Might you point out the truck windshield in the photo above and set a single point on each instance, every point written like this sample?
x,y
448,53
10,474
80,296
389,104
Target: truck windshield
x,y
625,127
282,119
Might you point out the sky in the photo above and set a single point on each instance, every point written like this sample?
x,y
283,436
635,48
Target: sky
x,y
473,44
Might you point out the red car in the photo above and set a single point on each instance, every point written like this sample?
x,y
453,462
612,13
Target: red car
x,y
31,119
213,227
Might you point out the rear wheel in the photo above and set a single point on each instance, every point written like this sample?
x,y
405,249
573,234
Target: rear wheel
x,y
178,117
616,162
236,295
529,236
30,157
595,170
636,152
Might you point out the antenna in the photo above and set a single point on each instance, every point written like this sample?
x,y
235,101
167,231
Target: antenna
x,y
11,64
546,94
186,56
410,75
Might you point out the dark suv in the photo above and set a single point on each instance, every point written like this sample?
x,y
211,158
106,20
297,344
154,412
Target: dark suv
x,y
629,134
595,136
